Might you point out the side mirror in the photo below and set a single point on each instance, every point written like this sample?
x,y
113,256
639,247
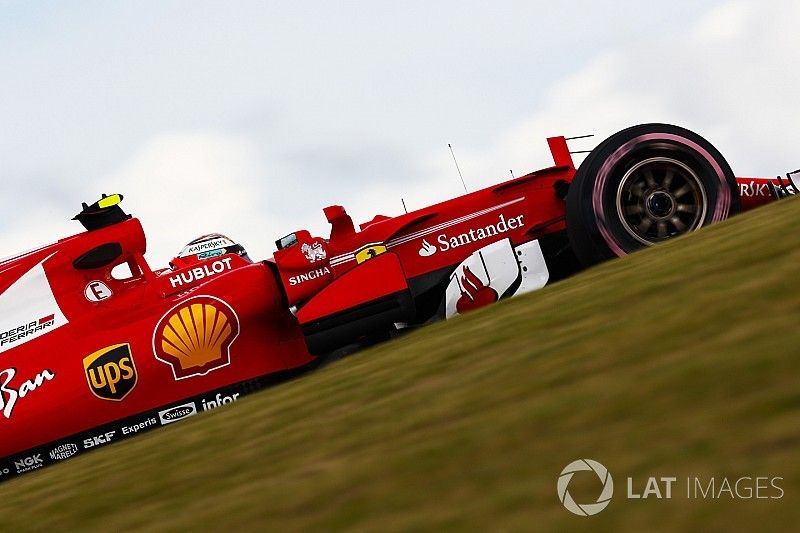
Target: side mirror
x,y
286,242
99,257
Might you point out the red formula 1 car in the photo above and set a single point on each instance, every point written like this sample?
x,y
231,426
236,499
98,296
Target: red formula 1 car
x,y
90,355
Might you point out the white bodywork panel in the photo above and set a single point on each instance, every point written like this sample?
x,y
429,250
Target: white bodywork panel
x,y
496,271
28,309
534,270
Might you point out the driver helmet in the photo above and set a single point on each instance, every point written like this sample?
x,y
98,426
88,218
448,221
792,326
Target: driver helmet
x,y
207,247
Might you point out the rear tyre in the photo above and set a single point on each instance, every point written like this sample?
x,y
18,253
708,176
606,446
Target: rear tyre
x,y
644,185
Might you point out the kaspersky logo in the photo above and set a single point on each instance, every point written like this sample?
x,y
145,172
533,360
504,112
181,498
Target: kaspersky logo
x,y
111,372
585,509
195,337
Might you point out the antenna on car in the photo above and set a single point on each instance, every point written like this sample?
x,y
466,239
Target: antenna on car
x,y
512,174
458,169
576,138
404,205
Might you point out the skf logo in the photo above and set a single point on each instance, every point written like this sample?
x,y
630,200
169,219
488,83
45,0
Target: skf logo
x,y
111,372
99,440
369,251
195,336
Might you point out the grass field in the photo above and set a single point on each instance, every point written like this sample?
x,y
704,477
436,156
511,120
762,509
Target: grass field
x,y
678,361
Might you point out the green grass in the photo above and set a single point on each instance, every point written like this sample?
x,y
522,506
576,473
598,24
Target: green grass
x,y
678,361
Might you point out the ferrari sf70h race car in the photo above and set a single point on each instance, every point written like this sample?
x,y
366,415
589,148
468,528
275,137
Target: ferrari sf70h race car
x,y
89,356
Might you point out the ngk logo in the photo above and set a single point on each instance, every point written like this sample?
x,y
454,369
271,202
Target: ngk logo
x,y
105,438
29,463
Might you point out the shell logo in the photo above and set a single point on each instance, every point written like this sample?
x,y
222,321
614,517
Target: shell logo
x,y
195,336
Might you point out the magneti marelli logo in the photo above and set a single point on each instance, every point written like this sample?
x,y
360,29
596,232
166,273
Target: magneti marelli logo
x,y
585,509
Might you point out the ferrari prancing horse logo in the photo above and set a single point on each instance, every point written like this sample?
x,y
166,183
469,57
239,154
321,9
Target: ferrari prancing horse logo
x,y
369,251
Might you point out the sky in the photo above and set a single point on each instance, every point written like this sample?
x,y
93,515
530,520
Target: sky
x,y
247,118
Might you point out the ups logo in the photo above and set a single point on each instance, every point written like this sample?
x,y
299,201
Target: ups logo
x,y
111,372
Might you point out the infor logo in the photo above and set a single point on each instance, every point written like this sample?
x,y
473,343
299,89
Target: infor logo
x,y
585,509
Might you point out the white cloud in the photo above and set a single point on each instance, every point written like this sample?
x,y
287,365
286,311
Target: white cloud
x,y
186,184
362,137
727,22
729,76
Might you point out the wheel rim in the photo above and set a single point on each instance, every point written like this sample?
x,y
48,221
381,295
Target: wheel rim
x,y
660,198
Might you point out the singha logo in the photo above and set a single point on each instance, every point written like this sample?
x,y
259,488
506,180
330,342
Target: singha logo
x,y
313,252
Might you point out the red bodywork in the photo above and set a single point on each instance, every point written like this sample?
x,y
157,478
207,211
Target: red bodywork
x,y
101,358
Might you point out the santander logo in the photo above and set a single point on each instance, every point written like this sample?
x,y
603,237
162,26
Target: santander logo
x,y
427,249
447,242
